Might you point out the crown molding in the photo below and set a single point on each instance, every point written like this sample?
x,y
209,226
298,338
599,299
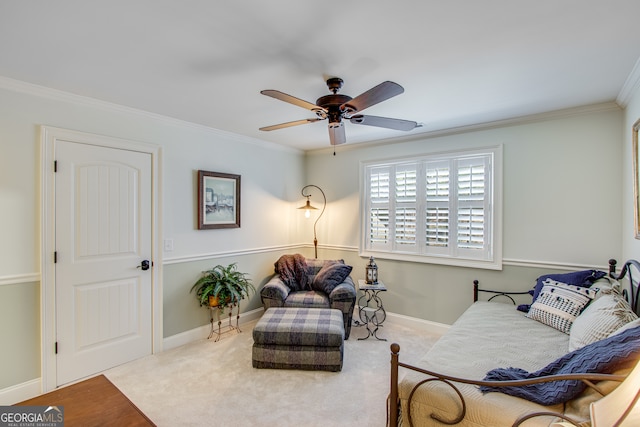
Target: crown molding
x,y
630,86
62,96
514,121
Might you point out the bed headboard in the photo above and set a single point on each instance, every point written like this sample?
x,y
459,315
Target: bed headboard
x,y
628,279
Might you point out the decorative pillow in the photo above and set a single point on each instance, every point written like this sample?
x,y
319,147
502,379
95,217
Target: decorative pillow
x,y
606,285
559,304
600,319
630,325
330,276
584,278
315,265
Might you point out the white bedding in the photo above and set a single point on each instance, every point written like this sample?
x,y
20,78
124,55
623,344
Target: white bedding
x,y
488,335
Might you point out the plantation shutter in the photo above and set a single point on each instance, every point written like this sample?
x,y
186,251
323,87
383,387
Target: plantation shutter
x,y
438,200
437,207
379,208
406,207
473,206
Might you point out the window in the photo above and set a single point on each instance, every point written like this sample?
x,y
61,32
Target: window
x,y
439,208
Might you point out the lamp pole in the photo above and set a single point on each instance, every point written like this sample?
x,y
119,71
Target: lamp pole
x,y
324,205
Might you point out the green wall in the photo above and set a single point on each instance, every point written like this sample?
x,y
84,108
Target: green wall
x,y
181,309
19,332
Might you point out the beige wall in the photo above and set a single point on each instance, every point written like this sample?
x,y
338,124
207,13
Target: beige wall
x,y
582,153
631,245
562,192
271,179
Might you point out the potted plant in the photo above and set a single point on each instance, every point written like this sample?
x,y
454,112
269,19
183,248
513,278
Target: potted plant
x,y
222,286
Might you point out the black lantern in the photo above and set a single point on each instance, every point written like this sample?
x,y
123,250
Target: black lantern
x,y
372,272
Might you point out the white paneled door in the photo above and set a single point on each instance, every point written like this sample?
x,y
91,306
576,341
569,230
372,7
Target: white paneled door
x,y
103,258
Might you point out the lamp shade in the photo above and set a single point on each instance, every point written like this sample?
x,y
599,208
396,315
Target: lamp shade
x,y
621,407
308,208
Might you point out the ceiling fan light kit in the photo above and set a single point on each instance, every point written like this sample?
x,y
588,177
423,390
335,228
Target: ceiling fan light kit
x,y
336,107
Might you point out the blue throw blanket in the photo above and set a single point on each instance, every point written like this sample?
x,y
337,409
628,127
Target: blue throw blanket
x,y
604,356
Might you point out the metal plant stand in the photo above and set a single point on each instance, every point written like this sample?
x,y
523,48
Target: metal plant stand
x,y
229,327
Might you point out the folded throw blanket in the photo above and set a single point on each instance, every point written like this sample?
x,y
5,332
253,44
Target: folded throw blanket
x,y
293,271
600,357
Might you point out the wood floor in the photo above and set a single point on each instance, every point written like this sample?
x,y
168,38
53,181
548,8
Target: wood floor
x,y
93,402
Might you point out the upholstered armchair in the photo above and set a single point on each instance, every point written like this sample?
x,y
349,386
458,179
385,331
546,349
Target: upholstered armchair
x,y
300,282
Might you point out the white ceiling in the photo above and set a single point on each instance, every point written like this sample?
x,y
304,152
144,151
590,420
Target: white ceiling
x,y
461,62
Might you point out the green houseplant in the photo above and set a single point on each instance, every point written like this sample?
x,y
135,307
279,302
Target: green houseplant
x,y
222,286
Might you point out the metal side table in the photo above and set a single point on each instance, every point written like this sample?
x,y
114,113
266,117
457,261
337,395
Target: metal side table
x,y
370,308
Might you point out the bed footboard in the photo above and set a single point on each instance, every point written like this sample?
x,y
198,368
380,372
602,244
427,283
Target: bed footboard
x,y
393,402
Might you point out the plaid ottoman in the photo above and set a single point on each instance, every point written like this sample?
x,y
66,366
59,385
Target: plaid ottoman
x,y
299,338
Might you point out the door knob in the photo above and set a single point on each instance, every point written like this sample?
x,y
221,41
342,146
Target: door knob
x,y
144,265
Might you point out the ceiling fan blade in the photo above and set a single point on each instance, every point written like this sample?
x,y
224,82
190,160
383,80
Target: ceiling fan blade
x,y
289,124
383,122
291,99
337,135
373,96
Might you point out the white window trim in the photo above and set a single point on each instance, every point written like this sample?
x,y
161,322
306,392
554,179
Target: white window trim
x,y
495,261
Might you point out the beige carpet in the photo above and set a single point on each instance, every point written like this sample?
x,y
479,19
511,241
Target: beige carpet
x,y
213,383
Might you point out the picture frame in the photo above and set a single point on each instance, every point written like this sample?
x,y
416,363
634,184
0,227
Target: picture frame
x,y
636,180
218,200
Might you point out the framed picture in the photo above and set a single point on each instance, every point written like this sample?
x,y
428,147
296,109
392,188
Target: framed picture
x,y
218,200
636,180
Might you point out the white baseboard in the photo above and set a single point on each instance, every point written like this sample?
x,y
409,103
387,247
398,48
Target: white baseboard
x,y
202,332
19,392
413,322
29,389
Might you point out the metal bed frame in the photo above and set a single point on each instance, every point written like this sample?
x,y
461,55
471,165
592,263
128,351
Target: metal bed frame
x,y
393,404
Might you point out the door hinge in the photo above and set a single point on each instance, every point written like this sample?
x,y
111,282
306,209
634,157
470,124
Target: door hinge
x,y
55,166
55,257
56,347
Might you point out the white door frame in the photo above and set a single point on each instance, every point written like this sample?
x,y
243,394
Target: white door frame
x,y
48,137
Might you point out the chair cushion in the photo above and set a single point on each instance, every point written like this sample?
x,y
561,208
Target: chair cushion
x,y
307,299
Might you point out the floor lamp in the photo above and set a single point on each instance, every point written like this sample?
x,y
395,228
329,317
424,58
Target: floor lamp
x,y
308,207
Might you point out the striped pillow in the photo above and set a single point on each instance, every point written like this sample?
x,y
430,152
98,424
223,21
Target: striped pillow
x,y
559,304
604,316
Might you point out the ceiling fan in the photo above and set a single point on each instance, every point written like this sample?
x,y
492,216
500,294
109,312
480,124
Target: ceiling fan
x,y
336,107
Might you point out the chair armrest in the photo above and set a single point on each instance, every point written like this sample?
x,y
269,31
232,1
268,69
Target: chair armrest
x,y
345,291
275,289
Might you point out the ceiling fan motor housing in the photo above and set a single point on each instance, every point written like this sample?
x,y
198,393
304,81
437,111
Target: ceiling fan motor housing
x,y
332,103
